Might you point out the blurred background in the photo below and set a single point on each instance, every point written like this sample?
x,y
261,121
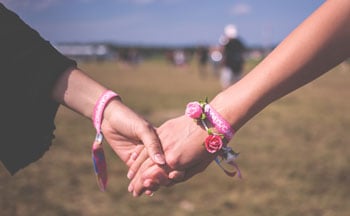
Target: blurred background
x,y
159,55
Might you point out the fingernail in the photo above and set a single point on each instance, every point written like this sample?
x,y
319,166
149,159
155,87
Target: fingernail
x,y
147,183
149,193
159,159
130,174
171,175
133,156
130,188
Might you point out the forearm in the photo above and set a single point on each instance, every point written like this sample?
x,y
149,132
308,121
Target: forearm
x,y
77,91
123,129
318,44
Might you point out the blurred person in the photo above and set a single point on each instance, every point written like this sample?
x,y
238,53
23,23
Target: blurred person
x,y
179,57
215,58
134,57
317,45
233,60
36,79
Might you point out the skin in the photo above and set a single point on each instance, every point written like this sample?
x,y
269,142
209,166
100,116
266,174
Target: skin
x,y
318,44
122,128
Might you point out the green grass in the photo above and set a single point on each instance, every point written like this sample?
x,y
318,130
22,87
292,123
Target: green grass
x,y
294,154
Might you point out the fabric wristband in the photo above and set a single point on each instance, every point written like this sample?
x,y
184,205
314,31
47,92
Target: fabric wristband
x,y
98,156
218,122
100,107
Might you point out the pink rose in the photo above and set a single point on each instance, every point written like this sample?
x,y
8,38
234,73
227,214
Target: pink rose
x,y
194,110
213,143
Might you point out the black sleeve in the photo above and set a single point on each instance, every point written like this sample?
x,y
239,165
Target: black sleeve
x,y
29,67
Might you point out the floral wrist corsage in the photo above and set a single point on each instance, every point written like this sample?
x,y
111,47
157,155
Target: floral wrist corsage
x,y
218,135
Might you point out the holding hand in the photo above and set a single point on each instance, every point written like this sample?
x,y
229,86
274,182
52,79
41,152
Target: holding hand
x,y
325,33
182,140
123,129
124,137
126,131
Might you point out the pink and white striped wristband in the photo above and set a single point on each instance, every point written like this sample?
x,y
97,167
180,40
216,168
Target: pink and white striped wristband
x,y
100,107
98,156
218,122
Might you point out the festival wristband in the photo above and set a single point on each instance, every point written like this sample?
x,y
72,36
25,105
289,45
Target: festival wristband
x,y
98,156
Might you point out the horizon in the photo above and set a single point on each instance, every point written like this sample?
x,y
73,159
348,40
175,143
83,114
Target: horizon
x,y
162,22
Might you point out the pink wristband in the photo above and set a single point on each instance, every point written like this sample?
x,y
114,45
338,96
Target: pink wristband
x,y
98,156
100,107
218,122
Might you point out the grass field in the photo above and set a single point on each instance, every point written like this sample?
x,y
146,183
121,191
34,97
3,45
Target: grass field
x,y
294,155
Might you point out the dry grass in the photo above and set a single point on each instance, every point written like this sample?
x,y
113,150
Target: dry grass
x,y
294,155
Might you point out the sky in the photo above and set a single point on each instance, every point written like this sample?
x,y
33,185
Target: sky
x,y
162,22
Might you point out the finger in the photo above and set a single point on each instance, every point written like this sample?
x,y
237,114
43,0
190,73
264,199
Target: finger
x,y
158,175
152,144
150,178
135,166
176,175
149,186
137,181
134,155
149,193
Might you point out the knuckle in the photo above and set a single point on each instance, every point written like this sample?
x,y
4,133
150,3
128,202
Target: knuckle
x,y
144,128
173,161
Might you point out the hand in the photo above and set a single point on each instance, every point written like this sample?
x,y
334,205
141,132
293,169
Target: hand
x,y
182,141
125,131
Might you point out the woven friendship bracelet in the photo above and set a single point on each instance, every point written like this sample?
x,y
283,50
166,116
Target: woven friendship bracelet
x,y
98,156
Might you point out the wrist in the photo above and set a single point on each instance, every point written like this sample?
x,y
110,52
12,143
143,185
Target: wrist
x,y
100,108
113,106
77,91
98,157
232,110
219,132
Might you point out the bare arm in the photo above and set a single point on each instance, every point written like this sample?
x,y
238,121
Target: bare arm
x,y
123,129
321,42
77,91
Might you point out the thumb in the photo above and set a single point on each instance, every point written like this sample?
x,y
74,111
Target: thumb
x,y
151,142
